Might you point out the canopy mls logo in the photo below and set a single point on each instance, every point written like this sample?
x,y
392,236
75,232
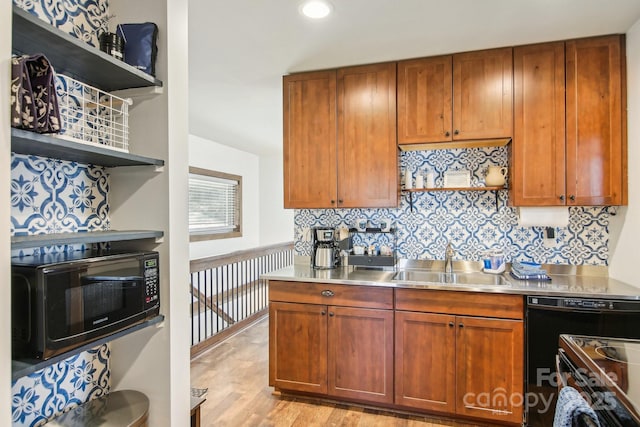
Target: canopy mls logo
x,y
500,402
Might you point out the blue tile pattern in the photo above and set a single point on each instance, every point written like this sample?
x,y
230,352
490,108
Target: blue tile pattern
x,y
469,220
45,394
81,18
49,196
55,196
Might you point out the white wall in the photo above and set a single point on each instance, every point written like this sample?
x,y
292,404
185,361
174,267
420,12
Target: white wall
x,y
276,223
5,178
625,226
213,156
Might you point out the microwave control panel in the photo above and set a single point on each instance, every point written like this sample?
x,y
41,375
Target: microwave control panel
x,y
151,282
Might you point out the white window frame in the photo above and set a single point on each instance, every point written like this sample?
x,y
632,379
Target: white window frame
x,y
208,234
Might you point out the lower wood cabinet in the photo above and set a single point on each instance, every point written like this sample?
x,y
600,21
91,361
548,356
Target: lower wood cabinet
x,y
338,351
457,364
452,353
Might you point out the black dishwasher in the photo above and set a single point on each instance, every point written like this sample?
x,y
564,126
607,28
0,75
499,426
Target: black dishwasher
x,y
547,319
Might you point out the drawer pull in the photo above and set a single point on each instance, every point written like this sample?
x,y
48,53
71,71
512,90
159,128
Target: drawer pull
x,y
327,293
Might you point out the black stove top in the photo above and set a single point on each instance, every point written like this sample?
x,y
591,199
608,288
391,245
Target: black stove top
x,y
611,365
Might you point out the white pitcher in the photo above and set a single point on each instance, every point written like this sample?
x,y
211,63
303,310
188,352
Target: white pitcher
x,y
496,176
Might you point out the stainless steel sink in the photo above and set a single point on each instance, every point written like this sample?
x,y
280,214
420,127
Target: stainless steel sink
x,y
437,277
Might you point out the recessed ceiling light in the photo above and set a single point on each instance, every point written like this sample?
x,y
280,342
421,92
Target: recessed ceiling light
x,y
316,9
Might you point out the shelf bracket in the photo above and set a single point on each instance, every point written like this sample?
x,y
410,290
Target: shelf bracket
x,y
411,200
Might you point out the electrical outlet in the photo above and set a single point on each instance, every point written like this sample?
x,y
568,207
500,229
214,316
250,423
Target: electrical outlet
x,y
549,237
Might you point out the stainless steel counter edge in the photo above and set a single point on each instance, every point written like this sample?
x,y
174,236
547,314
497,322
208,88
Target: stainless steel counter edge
x,y
569,285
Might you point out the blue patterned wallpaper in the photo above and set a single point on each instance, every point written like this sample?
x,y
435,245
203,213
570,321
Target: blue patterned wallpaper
x,y
43,395
469,220
51,196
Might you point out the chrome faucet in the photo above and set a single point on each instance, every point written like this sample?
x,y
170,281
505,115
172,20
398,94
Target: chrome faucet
x,y
448,259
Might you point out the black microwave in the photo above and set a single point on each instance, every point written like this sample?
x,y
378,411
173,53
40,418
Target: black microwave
x,y
61,302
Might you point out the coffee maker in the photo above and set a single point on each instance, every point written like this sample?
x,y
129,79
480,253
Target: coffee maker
x,y
324,251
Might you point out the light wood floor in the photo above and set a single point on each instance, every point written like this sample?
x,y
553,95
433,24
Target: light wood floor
x,y
236,374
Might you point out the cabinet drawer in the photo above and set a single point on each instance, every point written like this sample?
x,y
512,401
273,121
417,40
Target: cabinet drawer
x,y
331,294
462,303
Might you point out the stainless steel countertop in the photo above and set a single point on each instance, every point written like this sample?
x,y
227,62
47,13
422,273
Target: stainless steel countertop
x,y
587,282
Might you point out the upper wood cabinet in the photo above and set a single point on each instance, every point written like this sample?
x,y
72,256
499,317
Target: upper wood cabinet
x,y
367,144
538,149
309,140
483,94
460,97
340,138
425,100
596,125
569,145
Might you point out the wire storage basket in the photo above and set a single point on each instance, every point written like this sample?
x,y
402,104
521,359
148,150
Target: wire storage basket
x,y
92,116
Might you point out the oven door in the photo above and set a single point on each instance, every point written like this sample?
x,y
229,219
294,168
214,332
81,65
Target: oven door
x,y
90,300
609,410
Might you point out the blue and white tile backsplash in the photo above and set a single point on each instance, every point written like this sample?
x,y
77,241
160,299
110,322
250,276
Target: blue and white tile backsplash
x,y
469,220
51,196
41,396
56,196
80,18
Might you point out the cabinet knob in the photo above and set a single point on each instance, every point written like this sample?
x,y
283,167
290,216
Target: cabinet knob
x,y
340,201
333,202
572,198
331,314
447,133
461,325
561,197
323,312
327,293
456,132
451,324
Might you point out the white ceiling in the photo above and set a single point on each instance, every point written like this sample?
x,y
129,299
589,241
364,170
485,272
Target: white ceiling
x,y
240,49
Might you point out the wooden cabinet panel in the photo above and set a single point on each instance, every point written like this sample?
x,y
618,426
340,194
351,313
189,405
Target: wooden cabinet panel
x,y
538,162
309,140
360,354
424,100
596,144
489,366
465,303
569,144
483,94
344,295
298,347
367,148
425,376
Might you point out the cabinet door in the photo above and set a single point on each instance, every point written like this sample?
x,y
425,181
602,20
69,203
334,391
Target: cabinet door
x,y
596,139
489,366
483,94
424,100
367,148
298,347
309,140
360,362
538,162
425,361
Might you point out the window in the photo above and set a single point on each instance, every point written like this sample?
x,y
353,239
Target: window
x,y
215,205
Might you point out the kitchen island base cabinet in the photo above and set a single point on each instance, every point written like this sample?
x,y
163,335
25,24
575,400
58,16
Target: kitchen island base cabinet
x,y
331,350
